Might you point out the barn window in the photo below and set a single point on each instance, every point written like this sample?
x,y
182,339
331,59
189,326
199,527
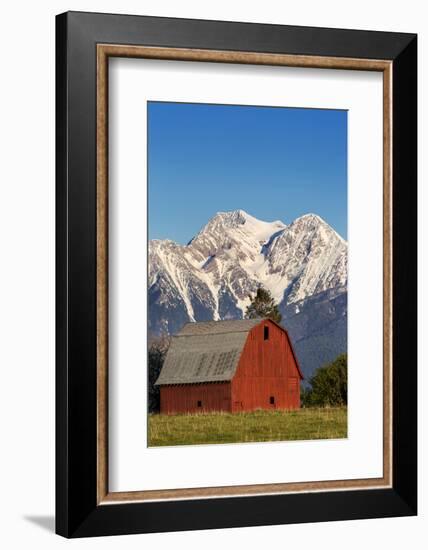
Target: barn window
x,y
199,403
272,400
265,333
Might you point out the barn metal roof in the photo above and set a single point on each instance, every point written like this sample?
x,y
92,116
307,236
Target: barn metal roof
x,y
205,352
218,327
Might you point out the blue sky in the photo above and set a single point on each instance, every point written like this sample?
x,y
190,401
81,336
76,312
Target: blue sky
x,y
274,163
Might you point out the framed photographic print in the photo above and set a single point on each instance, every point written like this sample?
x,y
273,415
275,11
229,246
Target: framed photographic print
x,y
236,274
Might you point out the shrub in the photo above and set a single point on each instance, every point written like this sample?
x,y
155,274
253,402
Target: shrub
x,y
156,356
328,386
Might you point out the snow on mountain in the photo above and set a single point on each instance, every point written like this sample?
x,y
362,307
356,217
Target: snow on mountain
x,y
227,229
213,276
307,258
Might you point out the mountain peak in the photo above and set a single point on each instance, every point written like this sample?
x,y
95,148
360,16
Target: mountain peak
x,y
313,222
237,218
238,226
310,218
232,218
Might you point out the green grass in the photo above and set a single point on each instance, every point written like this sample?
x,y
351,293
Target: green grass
x,y
198,429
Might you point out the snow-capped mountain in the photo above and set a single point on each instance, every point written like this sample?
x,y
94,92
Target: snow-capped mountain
x,y
214,275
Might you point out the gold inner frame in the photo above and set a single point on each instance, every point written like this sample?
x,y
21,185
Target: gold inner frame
x,y
104,51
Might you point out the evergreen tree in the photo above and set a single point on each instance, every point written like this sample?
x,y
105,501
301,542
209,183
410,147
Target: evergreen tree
x,y
263,306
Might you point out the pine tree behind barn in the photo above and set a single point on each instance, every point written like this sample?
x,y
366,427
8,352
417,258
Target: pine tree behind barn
x,y
230,366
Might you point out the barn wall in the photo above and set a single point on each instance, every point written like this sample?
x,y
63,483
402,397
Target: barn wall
x,y
184,398
266,369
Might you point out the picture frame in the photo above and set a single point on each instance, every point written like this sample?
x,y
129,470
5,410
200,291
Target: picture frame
x,y
84,44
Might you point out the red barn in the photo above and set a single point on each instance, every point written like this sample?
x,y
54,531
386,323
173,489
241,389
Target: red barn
x,y
230,366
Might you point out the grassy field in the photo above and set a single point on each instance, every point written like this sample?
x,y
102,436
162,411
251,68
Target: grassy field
x,y
198,429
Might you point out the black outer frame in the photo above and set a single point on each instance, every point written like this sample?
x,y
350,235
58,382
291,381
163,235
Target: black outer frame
x,y
77,513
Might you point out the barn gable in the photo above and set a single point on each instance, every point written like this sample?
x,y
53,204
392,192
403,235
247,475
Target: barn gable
x,y
205,352
299,370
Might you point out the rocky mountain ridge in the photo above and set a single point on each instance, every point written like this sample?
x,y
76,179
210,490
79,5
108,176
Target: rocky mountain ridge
x,y
303,265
